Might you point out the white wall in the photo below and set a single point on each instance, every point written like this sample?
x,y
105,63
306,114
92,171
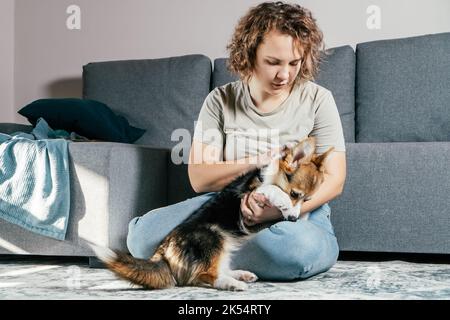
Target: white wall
x,y
7,61
49,57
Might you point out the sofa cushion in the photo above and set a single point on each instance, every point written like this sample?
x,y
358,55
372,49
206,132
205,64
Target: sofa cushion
x,y
159,95
221,75
89,118
337,74
178,185
403,89
395,198
9,128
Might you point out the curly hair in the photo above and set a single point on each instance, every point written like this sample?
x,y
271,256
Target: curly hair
x,y
290,19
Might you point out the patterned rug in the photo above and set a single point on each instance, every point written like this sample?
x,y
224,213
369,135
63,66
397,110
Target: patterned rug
x,y
398,280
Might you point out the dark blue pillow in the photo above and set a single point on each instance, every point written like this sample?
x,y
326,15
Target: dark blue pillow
x,y
89,118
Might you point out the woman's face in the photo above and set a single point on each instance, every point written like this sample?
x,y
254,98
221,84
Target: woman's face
x,y
278,62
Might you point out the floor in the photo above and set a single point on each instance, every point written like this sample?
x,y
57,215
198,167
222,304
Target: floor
x,y
71,278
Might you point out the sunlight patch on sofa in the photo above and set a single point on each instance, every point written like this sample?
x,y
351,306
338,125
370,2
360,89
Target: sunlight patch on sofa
x,y
11,247
97,202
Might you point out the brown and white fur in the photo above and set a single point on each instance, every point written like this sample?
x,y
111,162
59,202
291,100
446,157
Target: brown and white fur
x,y
198,251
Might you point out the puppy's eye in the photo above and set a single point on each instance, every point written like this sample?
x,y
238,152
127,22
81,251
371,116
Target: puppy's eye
x,y
294,194
297,195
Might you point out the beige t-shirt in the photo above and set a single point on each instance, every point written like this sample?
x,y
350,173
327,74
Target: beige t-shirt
x,y
230,120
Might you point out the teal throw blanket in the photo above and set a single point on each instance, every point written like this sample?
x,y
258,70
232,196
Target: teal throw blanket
x,y
34,180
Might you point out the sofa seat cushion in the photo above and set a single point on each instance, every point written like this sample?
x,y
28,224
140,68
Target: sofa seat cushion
x,y
403,89
395,198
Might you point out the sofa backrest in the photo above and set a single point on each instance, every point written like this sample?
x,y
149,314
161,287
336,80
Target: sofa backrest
x,y
159,95
337,74
403,89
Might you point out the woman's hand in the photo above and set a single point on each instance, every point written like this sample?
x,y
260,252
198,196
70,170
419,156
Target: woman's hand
x,y
256,209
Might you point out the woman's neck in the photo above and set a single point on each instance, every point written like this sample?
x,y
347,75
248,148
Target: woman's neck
x,y
264,101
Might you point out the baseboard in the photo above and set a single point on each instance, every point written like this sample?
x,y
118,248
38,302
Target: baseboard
x,y
389,256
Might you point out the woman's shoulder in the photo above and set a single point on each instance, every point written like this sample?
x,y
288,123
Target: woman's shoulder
x,y
224,97
228,89
312,91
226,94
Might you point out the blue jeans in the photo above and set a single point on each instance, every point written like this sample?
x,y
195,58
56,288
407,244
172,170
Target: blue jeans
x,y
285,251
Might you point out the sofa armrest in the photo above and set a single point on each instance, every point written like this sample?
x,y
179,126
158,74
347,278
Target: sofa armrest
x,y
9,128
111,184
395,199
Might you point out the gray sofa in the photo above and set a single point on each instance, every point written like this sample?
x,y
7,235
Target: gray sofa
x,y
393,97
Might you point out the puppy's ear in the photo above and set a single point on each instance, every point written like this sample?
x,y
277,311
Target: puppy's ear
x,y
319,160
285,150
304,151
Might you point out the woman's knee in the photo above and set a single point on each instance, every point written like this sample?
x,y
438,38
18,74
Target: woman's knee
x,y
301,250
135,244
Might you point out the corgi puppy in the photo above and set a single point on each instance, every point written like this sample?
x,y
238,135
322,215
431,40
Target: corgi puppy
x,y
198,251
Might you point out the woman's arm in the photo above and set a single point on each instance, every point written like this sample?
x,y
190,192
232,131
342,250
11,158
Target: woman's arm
x,y
332,186
208,173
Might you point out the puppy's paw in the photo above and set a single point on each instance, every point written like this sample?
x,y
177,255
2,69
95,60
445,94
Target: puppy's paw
x,y
243,275
238,286
273,194
229,283
279,199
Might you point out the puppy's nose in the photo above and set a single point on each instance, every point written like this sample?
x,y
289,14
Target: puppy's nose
x,y
292,218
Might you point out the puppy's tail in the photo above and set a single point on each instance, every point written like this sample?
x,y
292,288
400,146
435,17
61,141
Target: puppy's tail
x,y
154,273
